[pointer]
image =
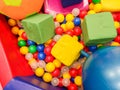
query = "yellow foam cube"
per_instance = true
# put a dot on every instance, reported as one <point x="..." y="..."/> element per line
<point x="67" y="50"/>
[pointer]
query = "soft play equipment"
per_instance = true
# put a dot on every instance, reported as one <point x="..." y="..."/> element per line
<point x="15" y="73"/>
<point x="19" y="9"/>
<point x="55" y="6"/>
<point x="111" y="5"/>
<point x="101" y="70"/>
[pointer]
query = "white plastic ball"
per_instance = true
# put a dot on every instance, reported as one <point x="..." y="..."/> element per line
<point x="75" y="12"/>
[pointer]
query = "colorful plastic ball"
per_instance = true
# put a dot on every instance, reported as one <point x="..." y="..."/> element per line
<point x="49" y="58"/>
<point x="32" y="48"/>
<point x="60" y="18"/>
<point x="64" y="69"/>
<point x="91" y="12"/>
<point x="55" y="81"/>
<point x="56" y="72"/>
<point x="82" y="14"/>
<point x="78" y="80"/>
<point x="41" y="55"/>
<point x="24" y="36"/>
<point x="41" y="64"/>
<point x="72" y="87"/>
<point x="12" y="22"/>
<point x="35" y="55"/>
<point x="64" y="27"/>
<point x="66" y="75"/>
<point x="59" y="30"/>
<point x="47" y="77"/>
<point x="57" y="63"/>
<point x="117" y="24"/>
<point x="92" y="48"/>
<point x="60" y="82"/>
<point x="34" y="65"/>
<point x="77" y="31"/>
<point x="96" y="1"/>
<point x="105" y="67"/>
<point x="52" y="43"/>
<point x="57" y="24"/>
<point x="20" y="32"/>
<point x="91" y="6"/>
<point x="30" y="42"/>
<point x="69" y="17"/>
<point x="15" y="30"/>
<point x="39" y="72"/>
<point x="47" y="50"/>
<point x="89" y="1"/>
<point x="77" y="21"/>
<point x="56" y="37"/>
<point x="40" y="47"/>
<point x="24" y="50"/>
<point x="66" y="82"/>
<point x="73" y="72"/>
<point x="50" y="67"/>
<point x="75" y="12"/>
<point x="69" y="25"/>
<point x="28" y="56"/>
<point x="70" y="32"/>
<point x="79" y="71"/>
<point x="19" y="9"/>
<point x="21" y="43"/>
<point x="117" y="39"/>
<point x="118" y="31"/>
<point x="97" y="8"/>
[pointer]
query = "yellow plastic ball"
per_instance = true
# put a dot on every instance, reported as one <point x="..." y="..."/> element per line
<point x="24" y="50"/>
<point x="15" y="30"/>
<point x="69" y="25"/>
<point x="50" y="67"/>
<point x="69" y="17"/>
<point x="57" y="63"/>
<point x="20" y="32"/>
<point x="59" y="17"/>
<point x="97" y="8"/>
<point x="78" y="80"/>
<point x="115" y="44"/>
<point x="66" y="75"/>
<point x="91" y="6"/>
<point x="39" y="72"/>
<point x="91" y="12"/>
<point x="117" y="24"/>
<point x="12" y="22"/>
<point x="64" y="27"/>
<point x="20" y="38"/>
<point x="47" y="77"/>
<point x="75" y="37"/>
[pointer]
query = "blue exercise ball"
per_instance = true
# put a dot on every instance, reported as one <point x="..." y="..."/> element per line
<point x="101" y="71"/>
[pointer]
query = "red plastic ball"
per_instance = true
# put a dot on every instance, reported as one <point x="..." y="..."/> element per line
<point x="59" y="30"/>
<point x="115" y="16"/>
<point x="24" y="36"/>
<point x="82" y="14"/>
<point x="49" y="58"/>
<point x="52" y="43"/>
<point x="35" y="55"/>
<point x="80" y="71"/>
<point x="72" y="87"/>
<point x="56" y="72"/>
<point x="70" y="32"/>
<point x="77" y="31"/>
<point x="73" y="72"/>
<point x="118" y="31"/>
<point x="117" y="39"/>
<point x="47" y="50"/>
<point x="60" y="82"/>
<point x="118" y="17"/>
<point x="89" y="1"/>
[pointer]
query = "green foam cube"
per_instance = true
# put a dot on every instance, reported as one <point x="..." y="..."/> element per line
<point x="98" y="28"/>
<point x="39" y="27"/>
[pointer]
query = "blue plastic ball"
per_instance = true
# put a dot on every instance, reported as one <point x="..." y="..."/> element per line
<point x="30" y="42"/>
<point x="41" y="55"/>
<point x="40" y="48"/>
<point x="101" y="71"/>
<point x="77" y="21"/>
<point x="92" y="48"/>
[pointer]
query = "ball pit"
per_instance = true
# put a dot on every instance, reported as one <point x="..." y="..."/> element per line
<point x="39" y="56"/>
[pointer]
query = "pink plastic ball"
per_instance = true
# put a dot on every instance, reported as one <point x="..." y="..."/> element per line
<point x="28" y="56"/>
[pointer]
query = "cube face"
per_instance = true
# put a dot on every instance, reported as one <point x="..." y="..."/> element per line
<point x="67" y="3"/>
<point x="98" y="28"/>
<point x="39" y="28"/>
<point x="66" y="50"/>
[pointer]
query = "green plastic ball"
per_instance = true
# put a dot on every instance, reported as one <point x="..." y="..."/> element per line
<point x="21" y="43"/>
<point x="32" y="49"/>
<point x="96" y="1"/>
